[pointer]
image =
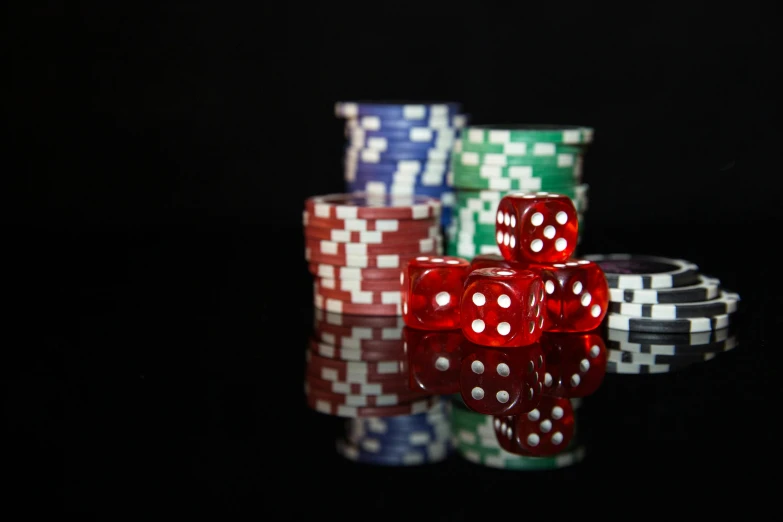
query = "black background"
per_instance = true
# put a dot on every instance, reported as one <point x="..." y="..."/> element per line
<point x="161" y="156"/>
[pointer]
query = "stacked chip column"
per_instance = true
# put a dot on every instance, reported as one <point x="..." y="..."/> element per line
<point x="401" y="148"/>
<point x="490" y="161"/>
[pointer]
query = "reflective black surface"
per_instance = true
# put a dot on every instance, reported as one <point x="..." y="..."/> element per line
<point x="165" y="364"/>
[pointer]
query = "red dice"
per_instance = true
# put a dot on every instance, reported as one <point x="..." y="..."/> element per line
<point x="501" y="382"/>
<point x="575" y="363"/>
<point x="431" y="291"/>
<point x="434" y="359"/>
<point x="544" y="431"/>
<point x="577" y="295"/>
<point x="536" y="228"/>
<point x="503" y="307"/>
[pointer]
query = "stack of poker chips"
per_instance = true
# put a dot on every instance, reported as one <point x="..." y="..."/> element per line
<point x="355" y="371"/>
<point x="475" y="440"/>
<point x="490" y="161"/>
<point x="401" y="148"/>
<point x="357" y="243"/>
<point x="664" y="314"/>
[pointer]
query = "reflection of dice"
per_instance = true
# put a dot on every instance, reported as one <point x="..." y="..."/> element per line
<point x="502" y="307"/>
<point x="434" y="359"/>
<point x="536" y="228"/>
<point x="494" y="381"/>
<point x="544" y="431"/>
<point x="575" y="363"/>
<point x="577" y="295"/>
<point x="431" y="291"/>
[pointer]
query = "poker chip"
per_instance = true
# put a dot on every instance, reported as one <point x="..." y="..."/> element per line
<point x="362" y="206"/>
<point x="414" y="226"/>
<point x="704" y="289"/>
<point x="630" y="271"/>
<point x="369" y="285"/>
<point x="371" y="237"/>
<point x="408" y="456"/>
<point x="340" y="272"/>
<point x="429" y="245"/>
<point x="685" y="325"/>
<point x="415" y="430"/>
<point x="337" y="409"/>
<point x="502" y="134"/>
<point x="725" y="303"/>
<point x="386" y="297"/>
<point x="399" y="149"/>
<point x="380" y="124"/>
<point x="397" y="110"/>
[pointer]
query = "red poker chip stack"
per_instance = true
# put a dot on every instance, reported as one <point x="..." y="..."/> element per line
<point x="356" y="245"/>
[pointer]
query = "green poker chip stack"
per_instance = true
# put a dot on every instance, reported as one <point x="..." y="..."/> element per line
<point x="475" y="441"/>
<point x="490" y="161"/>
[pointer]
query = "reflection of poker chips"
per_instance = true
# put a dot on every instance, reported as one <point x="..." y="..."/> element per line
<point x="639" y="271"/>
<point x="725" y="303"/>
<point x="643" y="369"/>
<point x="475" y="441"/>
<point x="358" y="321"/>
<point x="401" y="456"/>
<point x="686" y="325"/>
<point x="368" y="352"/>
<point x="400" y="149"/>
<point x="678" y="359"/>
<point x="385" y="387"/>
<point x="671" y="344"/>
<point x="353" y="371"/>
<point x="359" y="400"/>
<point x="704" y="289"/>
<point x="335" y="408"/>
<point x="341" y="307"/>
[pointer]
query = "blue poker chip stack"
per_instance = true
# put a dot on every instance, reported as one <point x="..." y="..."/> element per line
<point x="401" y="148"/>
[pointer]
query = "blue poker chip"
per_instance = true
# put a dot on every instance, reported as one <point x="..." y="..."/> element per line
<point x="382" y="139"/>
<point x="355" y="164"/>
<point x="426" y="179"/>
<point x="415" y="111"/>
<point x="399" y="147"/>
<point x="406" y="457"/>
<point x="398" y="154"/>
<point x="376" y="123"/>
<point x="378" y="187"/>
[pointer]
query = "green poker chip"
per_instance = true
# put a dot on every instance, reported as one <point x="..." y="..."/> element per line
<point x="566" y="162"/>
<point x="471" y="178"/>
<point x="533" y="133"/>
<point x="530" y="150"/>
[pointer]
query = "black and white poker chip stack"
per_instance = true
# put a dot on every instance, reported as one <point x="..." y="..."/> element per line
<point x="664" y="314"/>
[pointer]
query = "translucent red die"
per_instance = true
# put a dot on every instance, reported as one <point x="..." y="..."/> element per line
<point x="434" y="359"/>
<point x="577" y="295"/>
<point x="501" y="382"/>
<point x="431" y="291"/>
<point x="536" y="228"/>
<point x="575" y="363"/>
<point x="544" y="431"/>
<point x="503" y="307"/>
